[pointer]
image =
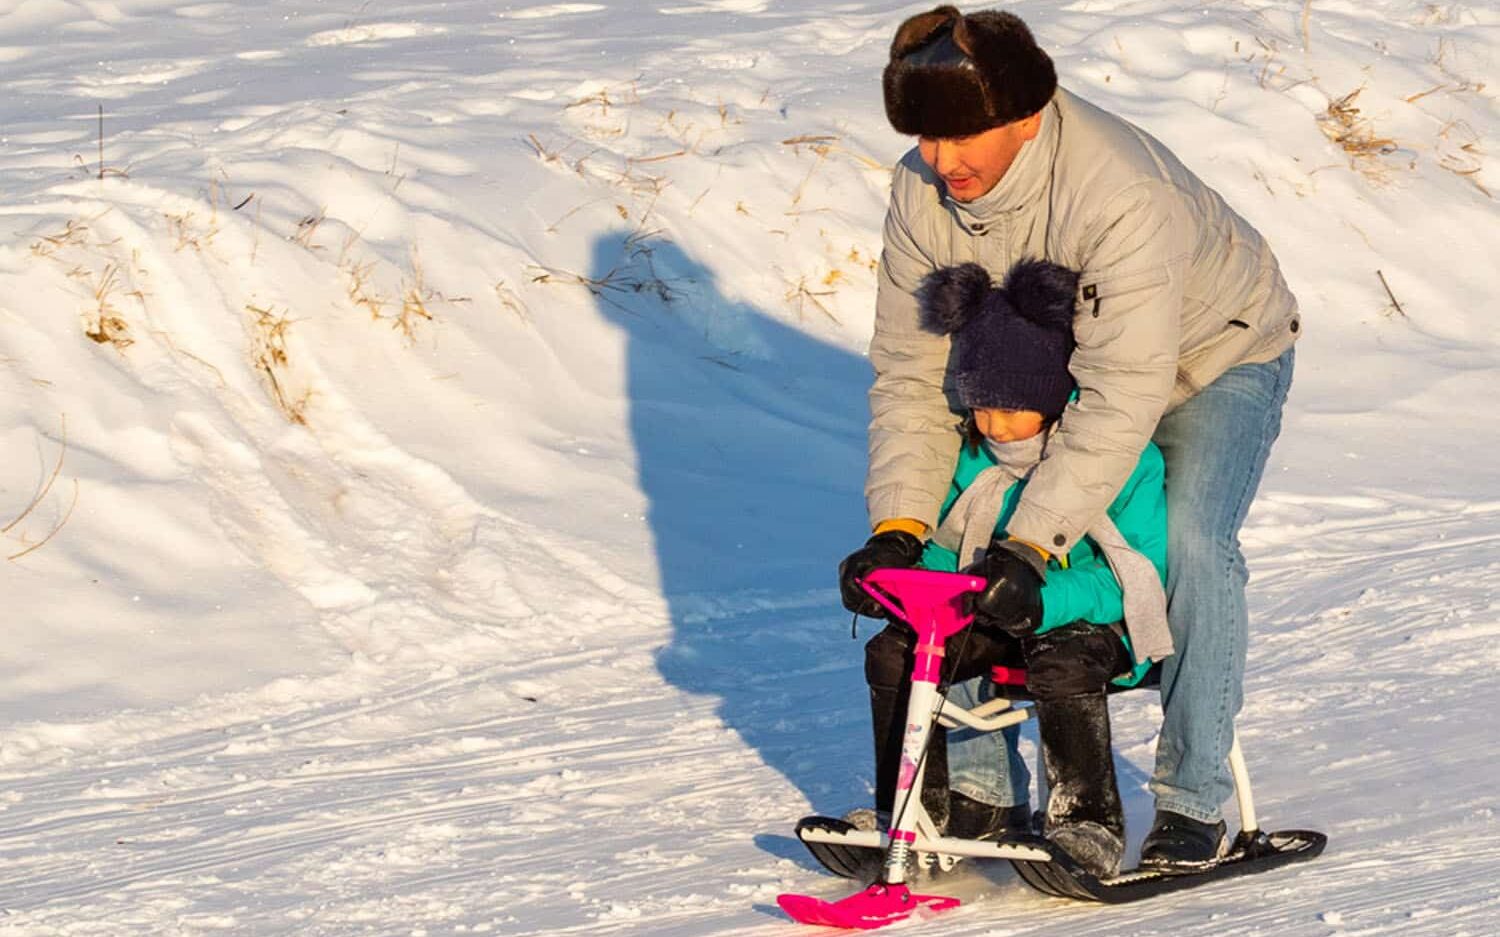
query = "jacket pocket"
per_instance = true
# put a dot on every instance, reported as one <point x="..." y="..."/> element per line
<point x="1093" y="321"/>
<point x="1204" y="325"/>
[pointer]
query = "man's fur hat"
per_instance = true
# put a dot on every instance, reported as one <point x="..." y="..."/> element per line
<point x="953" y="75"/>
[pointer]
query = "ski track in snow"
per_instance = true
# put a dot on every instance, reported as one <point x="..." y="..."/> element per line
<point x="482" y="646"/>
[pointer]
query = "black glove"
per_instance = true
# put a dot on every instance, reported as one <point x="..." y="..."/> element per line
<point x="1073" y="660"/>
<point x="1012" y="600"/>
<point x="894" y="548"/>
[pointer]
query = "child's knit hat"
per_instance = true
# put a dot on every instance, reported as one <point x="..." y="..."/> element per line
<point x="1011" y="344"/>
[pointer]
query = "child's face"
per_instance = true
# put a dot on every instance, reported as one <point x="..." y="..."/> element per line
<point x="1007" y="425"/>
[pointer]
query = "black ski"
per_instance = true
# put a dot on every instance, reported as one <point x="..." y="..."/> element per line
<point x="1063" y="878"/>
<point x="863" y="864"/>
<point x="1250" y="853"/>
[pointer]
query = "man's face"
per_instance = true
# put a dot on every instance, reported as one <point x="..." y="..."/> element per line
<point x="972" y="166"/>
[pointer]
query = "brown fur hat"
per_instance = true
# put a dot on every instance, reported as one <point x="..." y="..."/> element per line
<point x="953" y="75"/>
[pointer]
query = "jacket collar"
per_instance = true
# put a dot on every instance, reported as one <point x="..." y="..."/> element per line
<point x="1024" y="184"/>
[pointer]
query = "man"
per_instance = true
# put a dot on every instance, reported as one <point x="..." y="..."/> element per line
<point x="1184" y="330"/>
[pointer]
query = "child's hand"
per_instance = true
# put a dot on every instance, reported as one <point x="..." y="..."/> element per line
<point x="891" y="548"/>
<point x="1012" y="600"/>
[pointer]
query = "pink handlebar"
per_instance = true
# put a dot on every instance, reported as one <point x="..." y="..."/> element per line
<point x="927" y="600"/>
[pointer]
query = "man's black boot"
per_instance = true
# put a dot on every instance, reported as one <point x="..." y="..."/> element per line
<point x="1179" y="844"/>
<point x="974" y="819"/>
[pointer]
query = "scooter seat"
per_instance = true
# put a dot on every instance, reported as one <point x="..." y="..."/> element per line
<point x="1010" y="682"/>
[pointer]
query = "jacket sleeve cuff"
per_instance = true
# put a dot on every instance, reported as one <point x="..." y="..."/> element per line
<point x="906" y="524"/>
<point x="1052" y="532"/>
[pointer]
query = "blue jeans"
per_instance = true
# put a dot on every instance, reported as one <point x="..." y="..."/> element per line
<point x="985" y="766"/>
<point x="1216" y="446"/>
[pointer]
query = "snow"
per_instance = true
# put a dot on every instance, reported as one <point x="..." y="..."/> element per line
<point x="477" y="417"/>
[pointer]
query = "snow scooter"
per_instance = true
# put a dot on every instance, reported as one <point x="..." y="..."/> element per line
<point x="932" y="603"/>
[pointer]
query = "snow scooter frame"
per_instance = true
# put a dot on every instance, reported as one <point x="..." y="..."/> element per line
<point x="931" y="602"/>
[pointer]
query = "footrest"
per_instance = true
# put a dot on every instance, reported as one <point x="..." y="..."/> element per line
<point x="859" y="863"/>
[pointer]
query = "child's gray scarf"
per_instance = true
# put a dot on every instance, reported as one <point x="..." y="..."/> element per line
<point x="971" y="523"/>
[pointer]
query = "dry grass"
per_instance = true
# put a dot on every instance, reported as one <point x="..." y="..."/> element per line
<point x="642" y="187"/>
<point x="635" y="273"/>
<point x="307" y="230"/>
<point x="255" y="240"/>
<point x="511" y="301"/>
<point x="1435" y="14"/>
<point x="693" y="206"/>
<point x="415" y="295"/>
<point x="596" y="119"/>
<point x="104" y="171"/>
<point x="1456" y="83"/>
<point x="858" y="258"/>
<point x="188" y="233"/>
<point x="410" y="304"/>
<point x="638" y="184"/>
<point x="77" y="249"/>
<point x="632" y="161"/>
<point x="1343" y="124"/>
<point x="1273" y="74"/>
<point x="1395" y="303"/>
<point x="544" y="154"/>
<point x="105" y="324"/>
<point x="268" y="352"/>
<point x="800" y="295"/>
<point x="552" y="228"/>
<point x="358" y="286"/>
<point x="1465" y="159"/>
<point x="682" y="132"/>
<point x="41" y="496"/>
<point x="823" y="146"/>
<point x="822" y="154"/>
<point x="626" y="94"/>
<point x="560" y="157"/>
<point x="74" y="233"/>
<point x="1440" y="59"/>
<point x="1457" y="87"/>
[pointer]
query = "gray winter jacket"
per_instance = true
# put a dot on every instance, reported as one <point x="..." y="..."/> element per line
<point x="1175" y="289"/>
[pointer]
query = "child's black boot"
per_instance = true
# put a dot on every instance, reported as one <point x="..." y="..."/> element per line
<point x="1084" y="815"/>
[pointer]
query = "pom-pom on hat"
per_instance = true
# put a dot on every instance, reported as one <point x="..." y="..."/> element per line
<point x="952" y="75"/>
<point x="1011" y="344"/>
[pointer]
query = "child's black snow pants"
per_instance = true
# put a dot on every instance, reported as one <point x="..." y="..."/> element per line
<point x="1067" y="669"/>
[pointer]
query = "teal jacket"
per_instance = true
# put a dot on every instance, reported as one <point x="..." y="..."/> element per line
<point x="1081" y="586"/>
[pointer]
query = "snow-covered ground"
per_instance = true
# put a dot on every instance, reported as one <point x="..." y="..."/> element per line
<point x="447" y="417"/>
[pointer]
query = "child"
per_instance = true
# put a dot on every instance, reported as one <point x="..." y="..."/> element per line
<point x="1060" y="620"/>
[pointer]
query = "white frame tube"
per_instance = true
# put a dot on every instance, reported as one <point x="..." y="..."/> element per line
<point x="908" y="801"/>
<point x="970" y="848"/>
<point x="979" y="717"/>
<point x="1242" y="793"/>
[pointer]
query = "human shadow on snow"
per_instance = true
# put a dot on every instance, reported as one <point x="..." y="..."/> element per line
<point x="749" y="436"/>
